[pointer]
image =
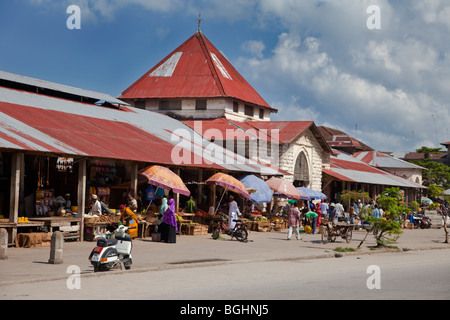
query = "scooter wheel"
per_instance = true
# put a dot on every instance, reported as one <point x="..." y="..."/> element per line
<point x="216" y="234"/>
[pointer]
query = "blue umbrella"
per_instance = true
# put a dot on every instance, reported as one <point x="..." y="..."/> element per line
<point x="313" y="194"/>
<point x="263" y="192"/>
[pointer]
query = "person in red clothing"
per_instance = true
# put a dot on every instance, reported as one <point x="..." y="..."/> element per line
<point x="319" y="213"/>
<point x="294" y="220"/>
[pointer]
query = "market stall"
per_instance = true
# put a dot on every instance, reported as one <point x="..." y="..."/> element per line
<point x="23" y="225"/>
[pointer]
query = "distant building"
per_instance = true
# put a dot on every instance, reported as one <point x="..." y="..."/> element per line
<point x="196" y="81"/>
<point x="447" y="157"/>
<point x="295" y="147"/>
<point x="340" y="140"/>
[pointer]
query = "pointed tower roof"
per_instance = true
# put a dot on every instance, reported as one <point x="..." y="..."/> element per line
<point x="196" y="69"/>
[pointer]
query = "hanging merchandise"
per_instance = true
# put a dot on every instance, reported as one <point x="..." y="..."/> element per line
<point x="64" y="164"/>
<point x="150" y="192"/>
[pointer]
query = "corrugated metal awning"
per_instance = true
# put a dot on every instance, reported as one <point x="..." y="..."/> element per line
<point x="34" y="122"/>
<point x="347" y="168"/>
<point x="11" y="77"/>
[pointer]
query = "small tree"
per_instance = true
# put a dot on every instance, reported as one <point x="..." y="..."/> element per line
<point x="427" y="152"/>
<point x="434" y="191"/>
<point x="445" y="215"/>
<point x="389" y="225"/>
<point x="348" y="196"/>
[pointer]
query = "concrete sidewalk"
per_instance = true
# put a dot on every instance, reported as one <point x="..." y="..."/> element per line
<point x="31" y="264"/>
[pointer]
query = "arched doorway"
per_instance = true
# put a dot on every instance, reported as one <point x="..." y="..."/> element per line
<point x="301" y="171"/>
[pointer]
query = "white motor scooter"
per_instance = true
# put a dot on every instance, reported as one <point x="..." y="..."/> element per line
<point x="110" y="252"/>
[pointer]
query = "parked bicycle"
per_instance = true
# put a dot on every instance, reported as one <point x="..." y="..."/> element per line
<point x="239" y="231"/>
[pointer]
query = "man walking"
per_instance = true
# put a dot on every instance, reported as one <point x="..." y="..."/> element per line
<point x="294" y="220"/>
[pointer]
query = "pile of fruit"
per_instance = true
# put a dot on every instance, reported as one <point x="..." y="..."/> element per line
<point x="261" y="219"/>
<point x="22" y="220"/>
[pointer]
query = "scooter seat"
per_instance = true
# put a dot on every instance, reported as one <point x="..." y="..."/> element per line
<point x="106" y="242"/>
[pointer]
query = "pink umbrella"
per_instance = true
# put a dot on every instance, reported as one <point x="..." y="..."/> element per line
<point x="229" y="183"/>
<point x="284" y="189"/>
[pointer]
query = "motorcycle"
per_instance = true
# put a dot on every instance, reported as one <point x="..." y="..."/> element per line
<point x="111" y="252"/>
<point x="425" y="223"/>
<point x="422" y="222"/>
<point x="239" y="231"/>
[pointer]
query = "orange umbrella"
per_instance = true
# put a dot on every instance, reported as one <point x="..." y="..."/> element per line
<point x="283" y="188"/>
<point x="229" y="183"/>
<point x="165" y="178"/>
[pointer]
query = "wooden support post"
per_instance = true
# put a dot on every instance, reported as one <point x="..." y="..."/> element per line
<point x="81" y="194"/>
<point x="200" y="187"/>
<point x="16" y="166"/>
<point x="134" y="179"/>
<point x="177" y="195"/>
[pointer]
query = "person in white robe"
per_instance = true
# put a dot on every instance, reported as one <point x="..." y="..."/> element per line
<point x="233" y="213"/>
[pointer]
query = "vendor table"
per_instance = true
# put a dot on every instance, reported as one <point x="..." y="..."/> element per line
<point x="12" y="227"/>
<point x="69" y="226"/>
<point x="187" y="217"/>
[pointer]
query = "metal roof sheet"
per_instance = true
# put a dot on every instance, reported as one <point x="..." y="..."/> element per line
<point x="382" y="160"/>
<point x="35" y="122"/>
<point x="287" y="131"/>
<point x="196" y="69"/>
<point x="59" y="87"/>
<point x="347" y="168"/>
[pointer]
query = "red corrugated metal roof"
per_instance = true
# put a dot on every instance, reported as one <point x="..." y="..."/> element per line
<point x="337" y="175"/>
<point x="196" y="69"/>
<point x="287" y="130"/>
<point x="35" y="122"/>
<point x="233" y="129"/>
<point x="87" y="136"/>
<point x="278" y="131"/>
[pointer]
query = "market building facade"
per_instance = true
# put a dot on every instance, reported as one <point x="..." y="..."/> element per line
<point x="197" y="84"/>
<point x="57" y="140"/>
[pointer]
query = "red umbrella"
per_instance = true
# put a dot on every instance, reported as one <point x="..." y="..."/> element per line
<point x="283" y="188"/>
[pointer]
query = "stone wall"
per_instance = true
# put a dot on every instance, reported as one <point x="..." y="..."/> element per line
<point x="317" y="159"/>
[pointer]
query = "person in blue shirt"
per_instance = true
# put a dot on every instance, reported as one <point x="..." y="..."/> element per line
<point x="332" y="212"/>
<point x="376" y="212"/>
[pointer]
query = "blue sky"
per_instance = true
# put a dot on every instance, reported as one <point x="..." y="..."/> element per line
<point x="312" y="60"/>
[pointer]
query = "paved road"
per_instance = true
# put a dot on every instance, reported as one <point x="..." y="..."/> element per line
<point x="412" y="275"/>
<point x="268" y="267"/>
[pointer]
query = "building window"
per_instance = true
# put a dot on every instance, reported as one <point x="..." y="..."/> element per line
<point x="170" y="105"/>
<point x="200" y="104"/>
<point x="261" y="113"/>
<point x="235" y="106"/>
<point x="139" y="104"/>
<point x="248" y="111"/>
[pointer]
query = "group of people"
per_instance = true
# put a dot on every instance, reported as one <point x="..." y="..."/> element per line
<point x="312" y="214"/>
<point x="302" y="212"/>
<point x="167" y="218"/>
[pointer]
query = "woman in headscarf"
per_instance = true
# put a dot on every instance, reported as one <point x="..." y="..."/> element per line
<point x="162" y="209"/>
<point x="169" y="226"/>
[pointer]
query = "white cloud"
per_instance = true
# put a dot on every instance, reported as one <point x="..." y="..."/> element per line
<point x="93" y="10"/>
<point x="387" y="82"/>
<point x="254" y="47"/>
